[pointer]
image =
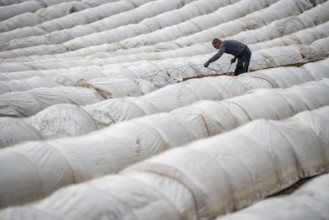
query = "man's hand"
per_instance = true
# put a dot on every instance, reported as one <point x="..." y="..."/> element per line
<point x="233" y="60"/>
<point x="206" y="64"/>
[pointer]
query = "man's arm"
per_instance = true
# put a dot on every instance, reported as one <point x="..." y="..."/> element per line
<point x="216" y="56"/>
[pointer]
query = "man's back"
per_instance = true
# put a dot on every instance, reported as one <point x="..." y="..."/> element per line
<point x="232" y="47"/>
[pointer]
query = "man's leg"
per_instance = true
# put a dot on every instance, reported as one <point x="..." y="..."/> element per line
<point x="246" y="62"/>
<point x="239" y="67"/>
<point x="243" y="63"/>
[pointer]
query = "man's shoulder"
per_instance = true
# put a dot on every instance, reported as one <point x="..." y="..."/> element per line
<point x="232" y="42"/>
<point x="225" y="42"/>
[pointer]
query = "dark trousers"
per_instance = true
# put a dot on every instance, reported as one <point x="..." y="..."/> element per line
<point x="243" y="62"/>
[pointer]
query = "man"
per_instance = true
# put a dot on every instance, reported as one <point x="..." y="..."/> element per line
<point x="235" y="48"/>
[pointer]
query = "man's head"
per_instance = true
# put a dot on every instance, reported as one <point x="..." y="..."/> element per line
<point x="216" y="43"/>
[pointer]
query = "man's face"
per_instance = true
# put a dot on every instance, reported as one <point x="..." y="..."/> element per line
<point x="216" y="45"/>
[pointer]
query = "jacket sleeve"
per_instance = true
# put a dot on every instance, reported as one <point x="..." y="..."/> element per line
<point x="217" y="55"/>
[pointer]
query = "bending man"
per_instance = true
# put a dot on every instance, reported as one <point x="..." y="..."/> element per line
<point x="239" y="50"/>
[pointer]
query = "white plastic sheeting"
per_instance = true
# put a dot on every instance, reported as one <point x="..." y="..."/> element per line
<point x="167" y="71"/>
<point x="26" y="84"/>
<point x="74" y="16"/>
<point x="309" y="202"/>
<point x="317" y="50"/>
<point x="155" y="73"/>
<point x="191" y="10"/>
<point x="128" y="142"/>
<point x="63" y="76"/>
<point x="27" y="103"/>
<point x="61" y="9"/>
<point x="284" y="77"/>
<point x="54" y="10"/>
<point x="117" y="84"/>
<point x="291" y="26"/>
<point x="193" y="24"/>
<point x="19" y="21"/>
<point x="101" y="11"/>
<point x="319" y="70"/>
<point x="206" y="32"/>
<point x="263" y="17"/>
<point x="264" y="58"/>
<point x="12" y="10"/>
<point x="289" y="55"/>
<point x="166" y="34"/>
<point x="11" y="125"/>
<point x="282" y="27"/>
<point x="45" y="2"/>
<point x="185" y="28"/>
<point x="277" y="56"/>
<point x="163" y="100"/>
<point x="120" y="87"/>
<point x="146" y="10"/>
<point x="64" y="120"/>
<point x="241" y="167"/>
<point x="305" y="36"/>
